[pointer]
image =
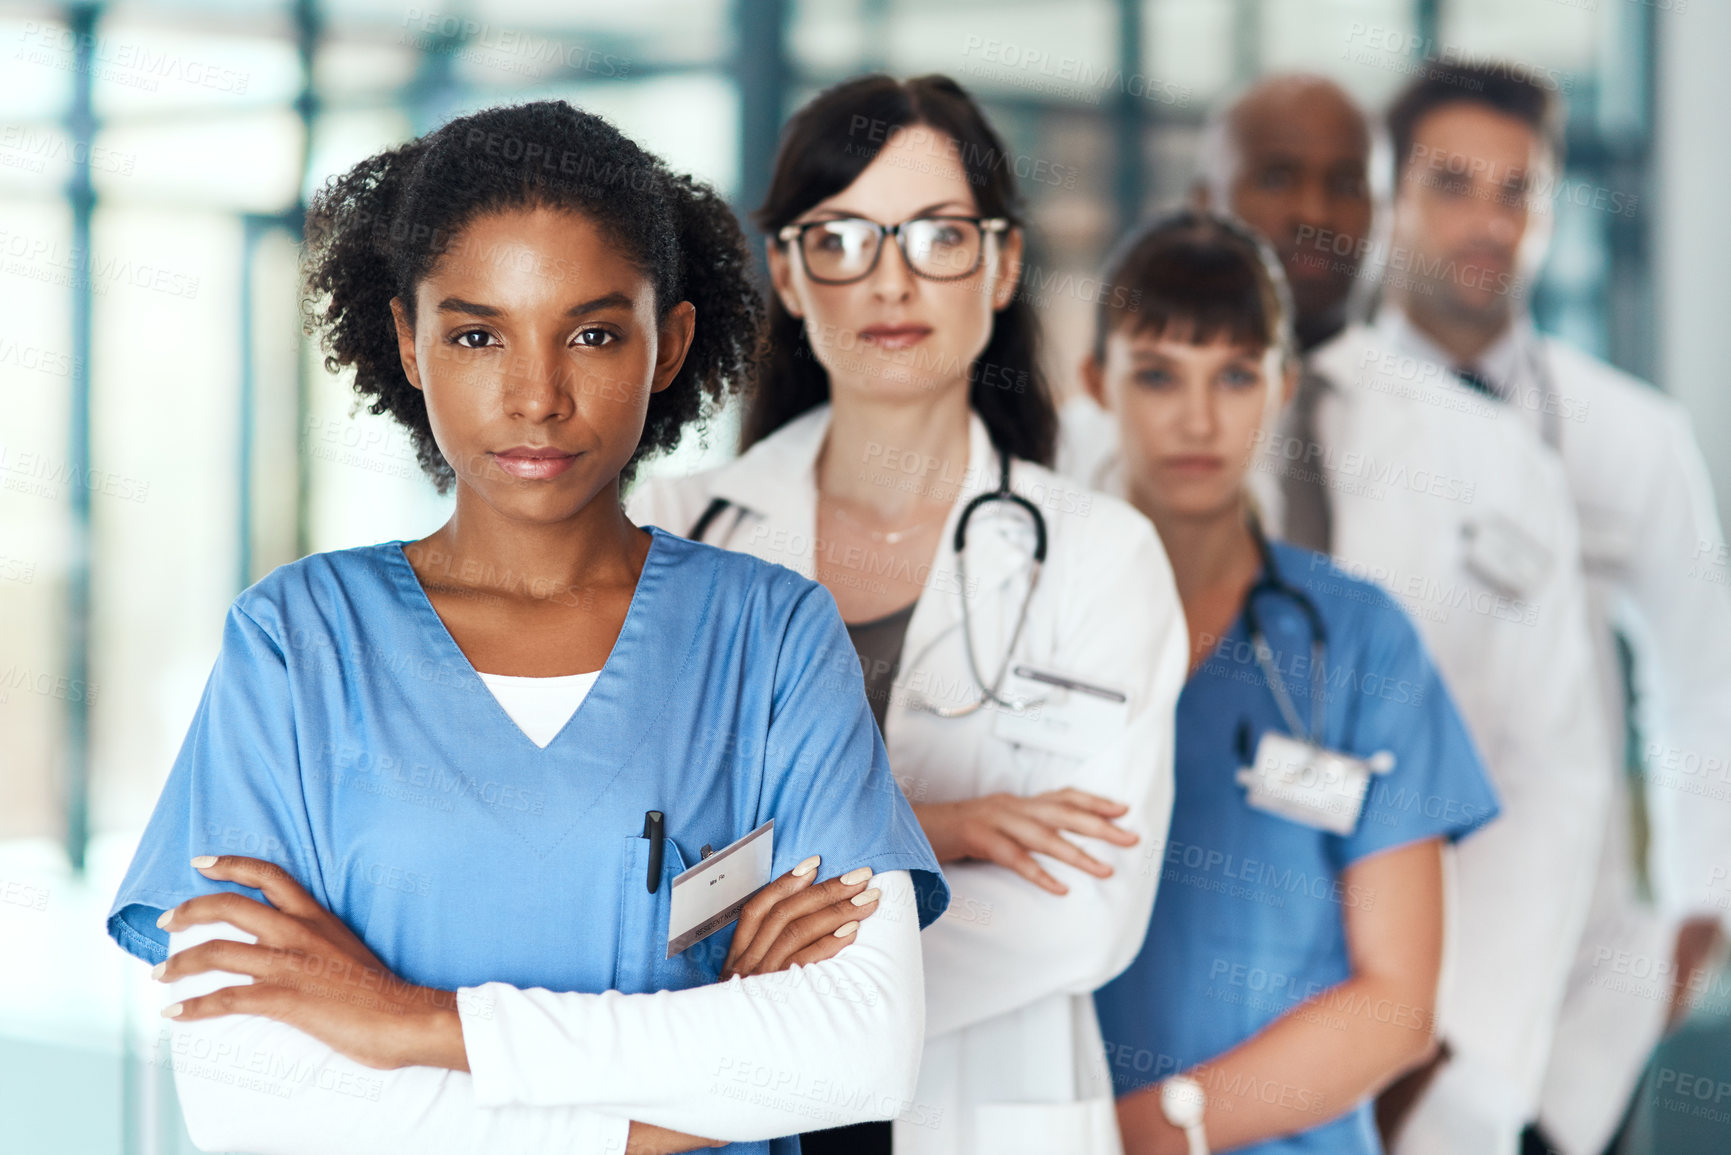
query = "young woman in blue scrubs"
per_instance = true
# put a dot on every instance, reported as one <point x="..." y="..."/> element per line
<point x="1291" y="965"/>
<point x="468" y="922"/>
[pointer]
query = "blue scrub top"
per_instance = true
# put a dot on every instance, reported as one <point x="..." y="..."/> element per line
<point x="1249" y="922"/>
<point x="344" y="735"/>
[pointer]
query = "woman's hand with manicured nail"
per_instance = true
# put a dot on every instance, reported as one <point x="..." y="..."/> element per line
<point x="794" y="922"/>
<point x="308" y="970"/>
<point x="1010" y="829"/>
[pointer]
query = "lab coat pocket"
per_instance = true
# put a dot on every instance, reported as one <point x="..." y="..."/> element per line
<point x="1060" y="714"/>
<point x="1082" y="1127"/>
<point x="641" y="963"/>
<point x="1505" y="555"/>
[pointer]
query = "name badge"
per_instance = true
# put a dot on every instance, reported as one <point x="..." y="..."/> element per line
<point x="1309" y="784"/>
<point x="710" y="895"/>
<point x="1504" y="555"/>
<point x="1060" y="713"/>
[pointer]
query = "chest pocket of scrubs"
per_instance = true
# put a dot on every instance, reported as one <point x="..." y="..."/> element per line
<point x="641" y="963"/>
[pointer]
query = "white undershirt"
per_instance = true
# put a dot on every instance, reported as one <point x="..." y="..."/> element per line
<point x="540" y="706"/>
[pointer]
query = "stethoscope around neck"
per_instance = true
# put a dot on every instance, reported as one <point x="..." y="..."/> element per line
<point x="990" y="692"/>
<point x="1271" y="583"/>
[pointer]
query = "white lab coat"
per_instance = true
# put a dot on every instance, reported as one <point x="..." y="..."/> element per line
<point x="1014" y="1059"/>
<point x="1653" y="554"/>
<point x="1411" y="467"/>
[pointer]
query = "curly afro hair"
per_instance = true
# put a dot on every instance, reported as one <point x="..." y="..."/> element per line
<point x="375" y="231"/>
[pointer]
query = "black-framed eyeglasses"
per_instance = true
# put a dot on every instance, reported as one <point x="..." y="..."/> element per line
<point x="843" y="250"/>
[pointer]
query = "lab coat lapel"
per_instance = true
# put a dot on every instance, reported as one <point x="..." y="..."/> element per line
<point x="776" y="479"/>
<point x="1366" y="417"/>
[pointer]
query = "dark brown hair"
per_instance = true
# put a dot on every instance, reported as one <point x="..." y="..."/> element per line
<point x="824" y="148"/>
<point x="1504" y="88"/>
<point x="1197" y="276"/>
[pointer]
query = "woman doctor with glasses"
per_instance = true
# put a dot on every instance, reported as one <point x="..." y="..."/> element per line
<point x="1021" y="636"/>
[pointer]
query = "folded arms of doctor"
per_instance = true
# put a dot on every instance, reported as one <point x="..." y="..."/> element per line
<point x="767" y="1055"/>
<point x="250" y="1083"/>
<point x="569" y="1071"/>
<point x="1006" y="941"/>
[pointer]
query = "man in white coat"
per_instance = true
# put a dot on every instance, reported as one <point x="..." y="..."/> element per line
<point x="1421" y="485"/>
<point x="1477" y="154"/>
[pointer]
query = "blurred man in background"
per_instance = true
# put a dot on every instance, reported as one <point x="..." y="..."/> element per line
<point x="1477" y="153"/>
<point x="1485" y="562"/>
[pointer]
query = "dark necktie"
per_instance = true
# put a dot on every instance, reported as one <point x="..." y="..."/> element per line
<point x="1308" y="519"/>
<point x="1476" y="380"/>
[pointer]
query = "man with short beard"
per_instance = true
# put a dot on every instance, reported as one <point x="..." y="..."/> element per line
<point x="1477" y="156"/>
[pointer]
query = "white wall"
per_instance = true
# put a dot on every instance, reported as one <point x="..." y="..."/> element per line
<point x="1693" y="229"/>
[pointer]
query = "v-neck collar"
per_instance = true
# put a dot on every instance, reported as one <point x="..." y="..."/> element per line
<point x="439" y="637"/>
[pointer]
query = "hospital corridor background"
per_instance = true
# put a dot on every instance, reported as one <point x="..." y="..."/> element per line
<point x="169" y="433"/>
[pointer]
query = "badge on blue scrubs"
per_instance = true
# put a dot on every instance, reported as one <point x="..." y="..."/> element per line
<point x="1307" y="783"/>
<point x="711" y="894"/>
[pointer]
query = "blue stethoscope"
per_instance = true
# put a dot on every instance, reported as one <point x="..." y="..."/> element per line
<point x="1272" y="584"/>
